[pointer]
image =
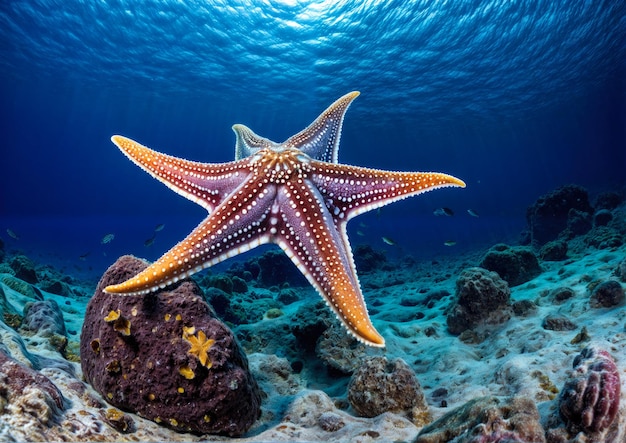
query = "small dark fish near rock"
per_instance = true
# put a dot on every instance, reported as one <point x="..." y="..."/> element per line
<point x="149" y="242"/>
<point x="443" y="211"/>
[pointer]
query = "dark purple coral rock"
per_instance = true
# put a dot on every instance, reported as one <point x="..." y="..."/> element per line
<point x="165" y="357"/>
<point x="589" y="400"/>
<point x="549" y="215"/>
<point x="516" y="265"/>
<point x="482" y="298"/>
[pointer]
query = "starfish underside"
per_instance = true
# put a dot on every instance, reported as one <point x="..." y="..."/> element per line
<point x="294" y="194"/>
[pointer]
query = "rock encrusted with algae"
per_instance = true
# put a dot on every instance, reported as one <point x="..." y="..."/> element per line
<point x="27" y="392"/>
<point x="165" y="357"/>
<point x="487" y="419"/>
<point x="380" y="385"/>
<point x="514" y="264"/>
<point x="482" y="298"/>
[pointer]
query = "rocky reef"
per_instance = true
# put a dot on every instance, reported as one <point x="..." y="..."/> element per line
<point x="510" y="343"/>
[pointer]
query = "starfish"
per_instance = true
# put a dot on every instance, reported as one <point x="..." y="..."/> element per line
<point x="200" y="346"/>
<point x="294" y="194"/>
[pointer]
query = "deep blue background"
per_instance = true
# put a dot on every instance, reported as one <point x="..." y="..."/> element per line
<point x="516" y="98"/>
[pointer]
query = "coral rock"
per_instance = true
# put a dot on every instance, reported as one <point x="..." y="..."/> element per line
<point x="589" y="400"/>
<point x="482" y="298"/>
<point x="44" y="318"/>
<point x="608" y="200"/>
<point x="164" y="356"/>
<point x="24" y="269"/>
<point x="367" y="259"/>
<point x="548" y="216"/>
<point x="276" y="269"/>
<point x="602" y="217"/>
<point x="554" y="251"/>
<point x="558" y="323"/>
<point x="604" y="237"/>
<point x="607" y="294"/>
<point x="487" y="419"/>
<point x="339" y="350"/>
<point x="29" y="391"/>
<point x="380" y="385"/>
<point x="559" y="295"/>
<point x="516" y="265"/>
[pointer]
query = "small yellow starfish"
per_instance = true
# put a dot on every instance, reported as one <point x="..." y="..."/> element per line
<point x="200" y="346"/>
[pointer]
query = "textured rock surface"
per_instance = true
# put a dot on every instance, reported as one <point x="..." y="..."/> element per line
<point x="607" y="294"/>
<point x="590" y="399"/>
<point x="380" y="385"/>
<point x="487" y="419"/>
<point x="554" y="251"/>
<point x="24" y="269"/>
<point x="482" y="297"/>
<point x="275" y="268"/>
<point x="339" y="350"/>
<point x="548" y="216"/>
<point x="44" y="318"/>
<point x="516" y="265"/>
<point x="164" y="356"/>
<point x="27" y="391"/>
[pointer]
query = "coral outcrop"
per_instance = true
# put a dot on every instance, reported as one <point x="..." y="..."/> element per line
<point x="380" y="385"/>
<point x="338" y="350"/>
<point x="554" y="251"/>
<point x="27" y="391"/>
<point x="275" y="269"/>
<point x="482" y="297"/>
<point x="607" y="294"/>
<point x="550" y="214"/>
<point x="589" y="400"/>
<point x="516" y="265"/>
<point x="487" y="420"/>
<point x="165" y="357"/>
<point x="24" y="269"/>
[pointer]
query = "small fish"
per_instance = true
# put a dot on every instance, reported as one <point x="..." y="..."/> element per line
<point x="149" y="241"/>
<point x="449" y="243"/>
<point x="159" y="227"/>
<point x="107" y="238"/>
<point x="12" y="234"/>
<point x="443" y="211"/>
<point x="363" y="225"/>
<point x="84" y="256"/>
<point x="388" y="241"/>
<point x="361" y="233"/>
<point x="472" y="213"/>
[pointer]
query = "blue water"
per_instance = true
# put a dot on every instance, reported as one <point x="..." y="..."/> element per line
<point x="516" y="98"/>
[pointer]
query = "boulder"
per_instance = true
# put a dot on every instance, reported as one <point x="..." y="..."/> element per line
<point x="165" y="357"/>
